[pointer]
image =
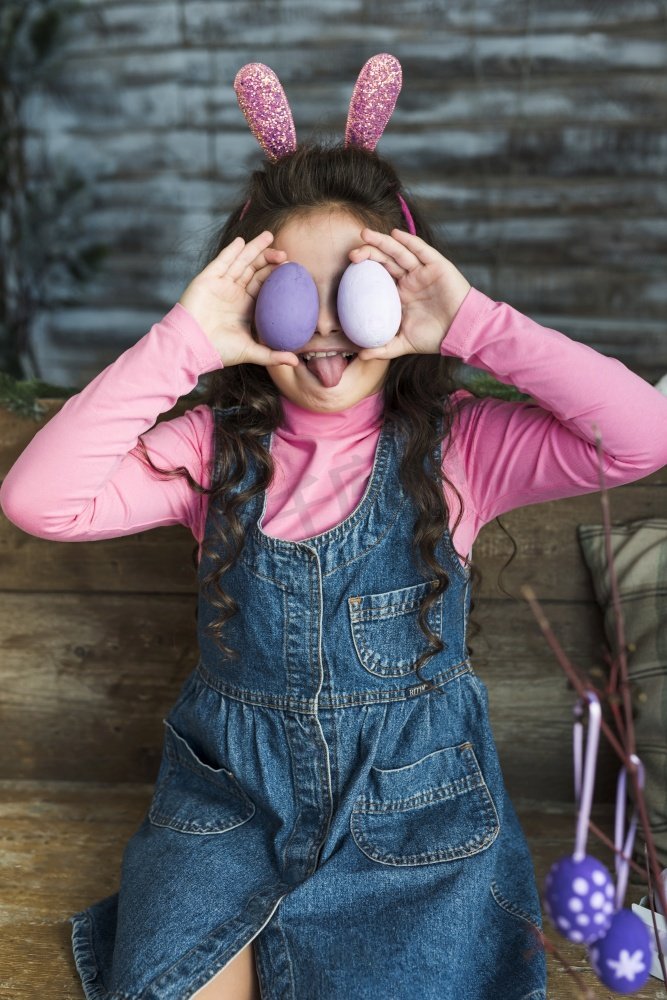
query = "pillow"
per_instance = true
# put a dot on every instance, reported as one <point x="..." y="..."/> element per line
<point x="639" y="553"/>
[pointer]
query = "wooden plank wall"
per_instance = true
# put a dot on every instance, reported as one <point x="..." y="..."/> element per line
<point x="533" y="131"/>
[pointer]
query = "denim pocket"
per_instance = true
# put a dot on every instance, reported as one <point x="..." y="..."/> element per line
<point x="515" y="909"/>
<point x="514" y="887"/>
<point x="192" y="796"/>
<point x="386" y="632"/>
<point x="437" y="809"/>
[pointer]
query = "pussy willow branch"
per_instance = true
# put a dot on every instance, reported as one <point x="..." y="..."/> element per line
<point x="584" y="990"/>
<point x="582" y="685"/>
<point x="629" y="741"/>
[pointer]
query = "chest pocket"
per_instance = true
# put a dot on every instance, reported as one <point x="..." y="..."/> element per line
<point x="191" y="796"/>
<point x="437" y="809"/>
<point x="385" y="628"/>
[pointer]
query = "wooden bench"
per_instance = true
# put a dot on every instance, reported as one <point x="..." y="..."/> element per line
<point x="97" y="639"/>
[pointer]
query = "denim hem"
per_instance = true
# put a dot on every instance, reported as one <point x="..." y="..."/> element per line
<point x="84" y="957"/>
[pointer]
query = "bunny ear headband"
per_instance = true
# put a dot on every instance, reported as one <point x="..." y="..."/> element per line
<point x="266" y="108"/>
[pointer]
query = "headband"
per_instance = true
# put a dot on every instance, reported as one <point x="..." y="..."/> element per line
<point x="264" y="103"/>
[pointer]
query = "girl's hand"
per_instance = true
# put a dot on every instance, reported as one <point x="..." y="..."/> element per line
<point x="222" y="300"/>
<point x="430" y="287"/>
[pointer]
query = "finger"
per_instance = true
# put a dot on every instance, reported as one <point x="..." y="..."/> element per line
<point x="395" y="348"/>
<point x="373" y="253"/>
<point x="254" y="279"/>
<point x="388" y="245"/>
<point x="422" y="250"/>
<point x="248" y="254"/>
<point x="266" y="356"/>
<point x="245" y="255"/>
<point x="227" y="254"/>
<point x="262" y="267"/>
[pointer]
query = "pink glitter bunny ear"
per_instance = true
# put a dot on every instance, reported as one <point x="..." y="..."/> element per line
<point x="265" y="106"/>
<point x="373" y="100"/>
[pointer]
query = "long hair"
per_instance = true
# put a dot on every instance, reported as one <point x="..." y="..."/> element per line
<point x="416" y="390"/>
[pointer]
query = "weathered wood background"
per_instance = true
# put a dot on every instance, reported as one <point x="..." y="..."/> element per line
<point x="533" y="131"/>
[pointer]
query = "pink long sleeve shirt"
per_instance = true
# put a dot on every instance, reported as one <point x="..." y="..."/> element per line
<point x="80" y="478"/>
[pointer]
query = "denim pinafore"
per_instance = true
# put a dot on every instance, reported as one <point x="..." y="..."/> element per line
<point x="315" y="798"/>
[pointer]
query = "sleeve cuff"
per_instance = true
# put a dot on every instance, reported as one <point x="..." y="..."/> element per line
<point x="475" y="305"/>
<point x="200" y="345"/>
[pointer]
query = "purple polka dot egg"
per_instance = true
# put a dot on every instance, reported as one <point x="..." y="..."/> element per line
<point x="622" y="958"/>
<point x="579" y="898"/>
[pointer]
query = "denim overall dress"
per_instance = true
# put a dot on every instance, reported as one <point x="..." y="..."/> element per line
<point x="315" y="798"/>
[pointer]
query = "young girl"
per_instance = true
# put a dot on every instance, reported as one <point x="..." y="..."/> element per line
<point x="329" y="819"/>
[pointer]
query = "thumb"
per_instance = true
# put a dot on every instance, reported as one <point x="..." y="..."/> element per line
<point x="383" y="353"/>
<point x="269" y="357"/>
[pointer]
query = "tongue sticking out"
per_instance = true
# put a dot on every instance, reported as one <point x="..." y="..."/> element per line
<point x="328" y="370"/>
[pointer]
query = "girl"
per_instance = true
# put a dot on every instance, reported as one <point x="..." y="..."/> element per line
<point x="329" y="818"/>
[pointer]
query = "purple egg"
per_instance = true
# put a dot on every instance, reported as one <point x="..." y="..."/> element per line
<point x="287" y="308"/>
<point x="622" y="958"/>
<point x="579" y="898"/>
<point x="369" y="306"/>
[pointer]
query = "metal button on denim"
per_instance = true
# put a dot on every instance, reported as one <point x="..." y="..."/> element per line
<point x="314" y="796"/>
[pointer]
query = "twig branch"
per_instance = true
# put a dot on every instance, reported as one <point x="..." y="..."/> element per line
<point x="616" y="693"/>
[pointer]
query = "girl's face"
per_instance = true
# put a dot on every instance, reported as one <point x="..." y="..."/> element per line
<point x="321" y="242"/>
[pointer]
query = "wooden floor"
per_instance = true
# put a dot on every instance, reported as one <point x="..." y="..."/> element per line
<point x="60" y="850"/>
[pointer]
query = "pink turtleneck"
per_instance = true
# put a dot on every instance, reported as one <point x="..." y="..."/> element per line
<point x="79" y="478"/>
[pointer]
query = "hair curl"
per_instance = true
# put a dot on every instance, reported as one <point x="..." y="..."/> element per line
<point x="416" y="390"/>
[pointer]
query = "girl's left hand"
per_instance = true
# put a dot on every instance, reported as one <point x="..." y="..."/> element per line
<point x="430" y="287"/>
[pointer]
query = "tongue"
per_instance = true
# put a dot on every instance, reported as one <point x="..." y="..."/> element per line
<point x="328" y="370"/>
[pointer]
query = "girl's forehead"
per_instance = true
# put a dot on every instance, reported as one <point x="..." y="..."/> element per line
<point x="334" y="223"/>
<point x="320" y="237"/>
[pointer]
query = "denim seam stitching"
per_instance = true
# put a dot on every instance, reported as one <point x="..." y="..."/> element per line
<point x="348" y="700"/>
<point x="427" y="857"/>
<point x="506" y="904"/>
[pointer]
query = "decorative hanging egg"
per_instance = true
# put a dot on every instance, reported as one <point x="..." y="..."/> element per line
<point x="369" y="306"/>
<point x="287" y="308"/>
<point x="579" y="898"/>
<point x="621" y="959"/>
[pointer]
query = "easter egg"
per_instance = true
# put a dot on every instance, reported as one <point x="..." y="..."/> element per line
<point x="287" y="308"/>
<point x="622" y="958"/>
<point x="369" y="306"/>
<point x="579" y="898"/>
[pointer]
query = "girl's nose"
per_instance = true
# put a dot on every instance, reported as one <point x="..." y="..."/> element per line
<point x="327" y="318"/>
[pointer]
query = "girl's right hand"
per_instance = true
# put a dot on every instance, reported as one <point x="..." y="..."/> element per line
<point x="222" y="300"/>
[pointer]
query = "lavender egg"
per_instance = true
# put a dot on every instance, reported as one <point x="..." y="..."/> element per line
<point x="369" y="306"/>
<point x="287" y="308"/>
<point x="622" y="958"/>
<point x="579" y="898"/>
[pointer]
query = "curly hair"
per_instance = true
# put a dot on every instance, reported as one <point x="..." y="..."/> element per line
<point x="416" y="390"/>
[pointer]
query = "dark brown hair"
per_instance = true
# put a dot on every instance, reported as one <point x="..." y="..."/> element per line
<point x="416" y="390"/>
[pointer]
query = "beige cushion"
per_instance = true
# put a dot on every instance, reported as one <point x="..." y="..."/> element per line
<point x="639" y="553"/>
